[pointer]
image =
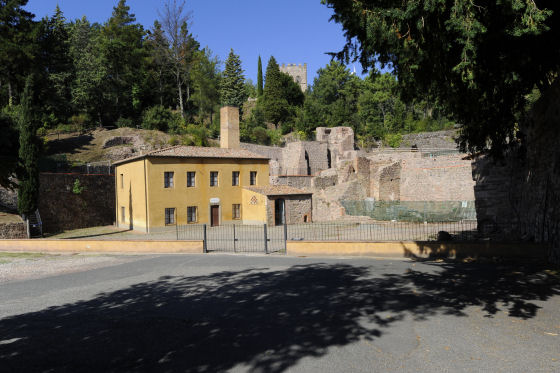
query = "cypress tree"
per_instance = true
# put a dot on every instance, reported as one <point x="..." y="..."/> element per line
<point x="232" y="87"/>
<point x="28" y="189"/>
<point x="259" y="79"/>
<point x="274" y="103"/>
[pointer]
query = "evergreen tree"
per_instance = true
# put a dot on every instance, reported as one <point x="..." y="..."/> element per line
<point x="54" y="49"/>
<point x="206" y="84"/>
<point x="158" y="61"/>
<point x="16" y="47"/>
<point x="28" y="190"/>
<point x="87" y="89"/>
<point x="259" y="79"/>
<point x="232" y="87"/>
<point x="280" y="95"/>
<point x="121" y="45"/>
<point x="8" y="150"/>
<point x="480" y="62"/>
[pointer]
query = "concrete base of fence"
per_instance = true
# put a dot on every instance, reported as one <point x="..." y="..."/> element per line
<point x="156" y="247"/>
<point x="451" y="250"/>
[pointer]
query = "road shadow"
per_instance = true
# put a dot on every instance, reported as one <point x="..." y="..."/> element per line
<point x="265" y="320"/>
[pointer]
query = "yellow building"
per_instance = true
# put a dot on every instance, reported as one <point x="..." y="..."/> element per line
<point x="203" y="185"/>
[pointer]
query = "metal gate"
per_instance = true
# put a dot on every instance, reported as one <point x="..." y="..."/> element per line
<point x="238" y="238"/>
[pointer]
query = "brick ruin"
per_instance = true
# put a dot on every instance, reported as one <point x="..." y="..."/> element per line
<point x="334" y="171"/>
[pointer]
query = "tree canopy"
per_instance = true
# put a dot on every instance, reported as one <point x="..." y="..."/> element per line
<point x="478" y="60"/>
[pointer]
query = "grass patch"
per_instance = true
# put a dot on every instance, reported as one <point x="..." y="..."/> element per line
<point x="10" y="257"/>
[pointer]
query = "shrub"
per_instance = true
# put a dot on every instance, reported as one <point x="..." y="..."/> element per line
<point x="173" y="140"/>
<point x="124" y="122"/>
<point x="393" y="140"/>
<point x="162" y="119"/>
<point x="261" y="136"/>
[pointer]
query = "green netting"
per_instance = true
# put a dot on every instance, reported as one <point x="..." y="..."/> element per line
<point x="413" y="211"/>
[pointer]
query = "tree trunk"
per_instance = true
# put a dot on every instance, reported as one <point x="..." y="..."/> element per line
<point x="10" y="98"/>
<point x="181" y="99"/>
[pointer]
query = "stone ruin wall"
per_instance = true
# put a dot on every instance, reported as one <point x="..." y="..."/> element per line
<point x="521" y="193"/>
<point x="356" y="175"/>
<point x="10" y="231"/>
<point x="63" y="209"/>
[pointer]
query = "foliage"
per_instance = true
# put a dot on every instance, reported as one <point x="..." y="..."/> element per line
<point x="120" y="44"/>
<point x="158" y="118"/>
<point x="28" y="189"/>
<point x="195" y="135"/>
<point x="393" y="140"/>
<point x="333" y="101"/>
<point x="17" y="47"/>
<point x="479" y="61"/>
<point x="232" y="85"/>
<point x="124" y="122"/>
<point x="259" y="78"/>
<point x="8" y="150"/>
<point x="281" y="95"/>
<point x="78" y="188"/>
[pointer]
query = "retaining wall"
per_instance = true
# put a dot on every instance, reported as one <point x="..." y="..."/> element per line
<point x="159" y="247"/>
<point x="64" y="207"/>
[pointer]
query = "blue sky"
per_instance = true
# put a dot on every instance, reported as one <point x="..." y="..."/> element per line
<point x="293" y="31"/>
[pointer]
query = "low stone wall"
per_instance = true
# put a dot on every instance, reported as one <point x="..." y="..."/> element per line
<point x="64" y="207"/>
<point x="13" y="231"/>
<point x="159" y="247"/>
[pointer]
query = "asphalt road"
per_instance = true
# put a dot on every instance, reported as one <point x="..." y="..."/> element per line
<point x="212" y="313"/>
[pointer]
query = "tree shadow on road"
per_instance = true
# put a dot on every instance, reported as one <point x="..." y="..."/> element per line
<point x="265" y="320"/>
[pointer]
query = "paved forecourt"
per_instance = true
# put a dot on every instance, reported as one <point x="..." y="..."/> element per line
<point x="272" y="313"/>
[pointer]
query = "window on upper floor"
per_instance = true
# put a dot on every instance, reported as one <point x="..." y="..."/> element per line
<point x="168" y="179"/>
<point x="191" y="179"/>
<point x="235" y="178"/>
<point x="213" y="178"/>
<point x="253" y="178"/>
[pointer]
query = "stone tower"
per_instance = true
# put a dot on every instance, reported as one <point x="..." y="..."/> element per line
<point x="298" y="72"/>
<point x="229" y="127"/>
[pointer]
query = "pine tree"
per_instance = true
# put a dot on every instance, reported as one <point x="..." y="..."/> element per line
<point x="232" y="87"/>
<point x="259" y="79"/>
<point x="121" y="46"/>
<point x="57" y="68"/>
<point x="28" y="190"/>
<point x="16" y="47"/>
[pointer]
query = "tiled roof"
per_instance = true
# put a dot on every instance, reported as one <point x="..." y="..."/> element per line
<point x="182" y="151"/>
<point x="276" y="190"/>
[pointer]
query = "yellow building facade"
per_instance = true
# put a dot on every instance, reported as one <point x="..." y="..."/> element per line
<point x="189" y="185"/>
<point x="184" y="185"/>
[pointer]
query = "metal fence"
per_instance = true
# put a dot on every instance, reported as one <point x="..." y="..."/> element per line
<point x="384" y="231"/>
<point x="273" y="239"/>
<point x="236" y="237"/>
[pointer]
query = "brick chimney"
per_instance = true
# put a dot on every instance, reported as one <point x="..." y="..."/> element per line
<point x="229" y="127"/>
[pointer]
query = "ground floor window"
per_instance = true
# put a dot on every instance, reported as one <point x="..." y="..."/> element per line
<point x="192" y="214"/>
<point x="122" y="214"/>
<point x="236" y="211"/>
<point x="169" y="216"/>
